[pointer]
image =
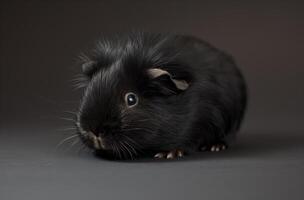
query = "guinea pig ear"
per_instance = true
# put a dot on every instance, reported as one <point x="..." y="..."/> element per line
<point x="157" y="72"/>
<point x="88" y="68"/>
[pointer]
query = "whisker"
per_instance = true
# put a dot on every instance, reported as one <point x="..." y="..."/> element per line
<point x="125" y="147"/>
<point x="118" y="150"/>
<point x="65" y="140"/>
<point x="122" y="149"/>
<point x="132" y="149"/>
<point x="124" y="153"/>
<point x="76" y="141"/>
<point x="136" y="145"/>
<point x="67" y="119"/>
<point x="67" y="129"/>
<point x="70" y="112"/>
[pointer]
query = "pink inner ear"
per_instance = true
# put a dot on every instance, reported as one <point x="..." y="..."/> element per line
<point x="156" y="72"/>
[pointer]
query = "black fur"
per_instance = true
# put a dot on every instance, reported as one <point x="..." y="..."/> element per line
<point x="210" y="110"/>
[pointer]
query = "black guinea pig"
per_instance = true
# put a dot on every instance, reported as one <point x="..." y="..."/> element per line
<point x="160" y="95"/>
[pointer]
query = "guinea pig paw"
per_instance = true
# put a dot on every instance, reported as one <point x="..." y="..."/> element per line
<point x="215" y="147"/>
<point x="218" y="147"/>
<point x="170" y="155"/>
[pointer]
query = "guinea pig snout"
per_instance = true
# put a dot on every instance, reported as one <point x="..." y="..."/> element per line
<point x="96" y="140"/>
<point x="105" y="128"/>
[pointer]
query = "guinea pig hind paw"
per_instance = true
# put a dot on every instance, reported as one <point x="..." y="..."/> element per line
<point x="218" y="147"/>
<point x="170" y="155"/>
<point x="214" y="147"/>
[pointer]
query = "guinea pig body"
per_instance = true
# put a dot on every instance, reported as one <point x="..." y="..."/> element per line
<point x="159" y="94"/>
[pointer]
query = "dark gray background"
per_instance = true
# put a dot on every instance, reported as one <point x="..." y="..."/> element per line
<point x="39" y="45"/>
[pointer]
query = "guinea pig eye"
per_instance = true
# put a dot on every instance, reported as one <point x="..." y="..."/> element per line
<point x="131" y="99"/>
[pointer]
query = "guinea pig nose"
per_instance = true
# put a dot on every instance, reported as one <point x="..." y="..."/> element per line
<point x="97" y="131"/>
<point x="104" y="128"/>
<point x="101" y="129"/>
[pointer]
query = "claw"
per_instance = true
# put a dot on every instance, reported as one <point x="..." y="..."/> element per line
<point x="214" y="148"/>
<point x="180" y="153"/>
<point x="159" y="155"/>
<point x="170" y="155"/>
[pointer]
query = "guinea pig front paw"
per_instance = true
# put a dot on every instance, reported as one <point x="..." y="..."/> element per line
<point x="170" y="154"/>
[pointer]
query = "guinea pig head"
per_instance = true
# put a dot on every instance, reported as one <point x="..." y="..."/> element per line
<point x="127" y="110"/>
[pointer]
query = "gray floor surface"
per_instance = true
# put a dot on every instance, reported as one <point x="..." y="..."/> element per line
<point x="262" y="165"/>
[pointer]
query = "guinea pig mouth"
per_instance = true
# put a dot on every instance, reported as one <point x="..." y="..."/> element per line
<point x="123" y="147"/>
<point x="97" y="141"/>
<point x="90" y="139"/>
